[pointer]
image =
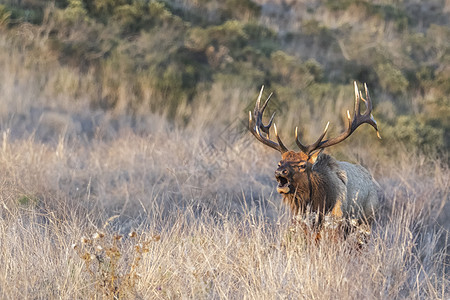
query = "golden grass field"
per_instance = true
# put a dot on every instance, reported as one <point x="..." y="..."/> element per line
<point x="191" y="212"/>
<point x="211" y="224"/>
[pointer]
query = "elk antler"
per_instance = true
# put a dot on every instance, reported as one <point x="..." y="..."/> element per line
<point x="257" y="128"/>
<point x="353" y="123"/>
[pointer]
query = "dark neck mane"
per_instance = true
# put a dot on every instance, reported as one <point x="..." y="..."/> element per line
<point x="317" y="193"/>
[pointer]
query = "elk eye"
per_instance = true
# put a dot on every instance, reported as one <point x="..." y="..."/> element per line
<point x="302" y="166"/>
<point x="279" y="164"/>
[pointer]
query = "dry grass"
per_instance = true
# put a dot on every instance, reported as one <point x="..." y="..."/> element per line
<point x="223" y="232"/>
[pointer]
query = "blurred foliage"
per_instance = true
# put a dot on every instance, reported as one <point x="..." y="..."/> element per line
<point x="419" y="132"/>
<point x="391" y="79"/>
<point x="155" y="55"/>
<point x="5" y="14"/>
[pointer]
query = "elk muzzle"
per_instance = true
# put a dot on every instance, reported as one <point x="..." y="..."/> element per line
<point x="283" y="175"/>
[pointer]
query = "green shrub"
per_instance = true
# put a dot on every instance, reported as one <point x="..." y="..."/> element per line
<point x="30" y="14"/>
<point x="75" y="11"/>
<point x="419" y="132"/>
<point x="315" y="69"/>
<point x="341" y="5"/>
<point x="28" y="201"/>
<point x="230" y="34"/>
<point x="197" y="39"/>
<point x="261" y="38"/>
<point x="128" y="17"/>
<point x="242" y="9"/>
<point x="287" y="69"/>
<point x="391" y="79"/>
<point x="103" y="9"/>
<point x="5" y="15"/>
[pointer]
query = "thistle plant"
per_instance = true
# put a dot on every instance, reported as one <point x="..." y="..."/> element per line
<point x="112" y="270"/>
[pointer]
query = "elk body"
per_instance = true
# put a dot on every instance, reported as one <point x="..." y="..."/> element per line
<point x="311" y="181"/>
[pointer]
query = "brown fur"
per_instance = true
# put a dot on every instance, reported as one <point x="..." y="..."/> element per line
<point x="320" y="184"/>
<point x="312" y="183"/>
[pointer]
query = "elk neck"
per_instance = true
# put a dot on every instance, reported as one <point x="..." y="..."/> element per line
<point x="317" y="190"/>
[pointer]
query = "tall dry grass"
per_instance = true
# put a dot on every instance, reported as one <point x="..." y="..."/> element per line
<point x="223" y="231"/>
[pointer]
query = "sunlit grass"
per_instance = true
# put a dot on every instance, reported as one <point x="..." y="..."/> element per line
<point x="223" y="232"/>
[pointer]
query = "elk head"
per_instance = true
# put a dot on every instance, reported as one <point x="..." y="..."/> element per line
<point x="296" y="170"/>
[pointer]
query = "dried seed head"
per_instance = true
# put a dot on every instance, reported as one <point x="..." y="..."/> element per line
<point x="74" y="246"/>
<point x="84" y="240"/>
<point x="156" y="237"/>
<point x="118" y="237"/>
<point x="98" y="248"/>
<point x="132" y="234"/>
<point x="98" y="235"/>
<point x="354" y="222"/>
<point x="365" y="230"/>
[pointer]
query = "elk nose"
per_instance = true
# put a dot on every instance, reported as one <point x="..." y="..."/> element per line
<point x="281" y="173"/>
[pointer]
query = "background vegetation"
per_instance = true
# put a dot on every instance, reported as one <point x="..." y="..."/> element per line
<point x="130" y="115"/>
<point x="177" y="57"/>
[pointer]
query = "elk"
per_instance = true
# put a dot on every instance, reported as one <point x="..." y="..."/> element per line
<point x="312" y="181"/>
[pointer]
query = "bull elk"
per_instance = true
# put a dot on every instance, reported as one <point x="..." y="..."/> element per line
<point x="311" y="181"/>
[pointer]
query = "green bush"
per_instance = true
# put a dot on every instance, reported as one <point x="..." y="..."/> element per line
<point x="391" y="79"/>
<point x="419" y="132"/>
<point x="75" y="11"/>
<point x="128" y="17"/>
<point x="5" y="15"/>
<point x="242" y="9"/>
<point x="287" y="69"/>
<point x="230" y="34"/>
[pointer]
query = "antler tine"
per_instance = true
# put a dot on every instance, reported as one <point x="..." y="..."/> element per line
<point x="368" y="111"/>
<point x="357" y="99"/>
<point x="299" y="144"/>
<point x="257" y="127"/>
<point x="357" y="120"/>
<point x="368" y="101"/>
<point x="319" y="140"/>
<point x="266" y="102"/>
<point x="266" y="128"/>
<point x="258" y="109"/>
<point x="282" y="146"/>
<point x="367" y="117"/>
<point x="258" y="101"/>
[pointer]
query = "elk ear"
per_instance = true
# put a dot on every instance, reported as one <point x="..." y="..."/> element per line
<point x="313" y="157"/>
